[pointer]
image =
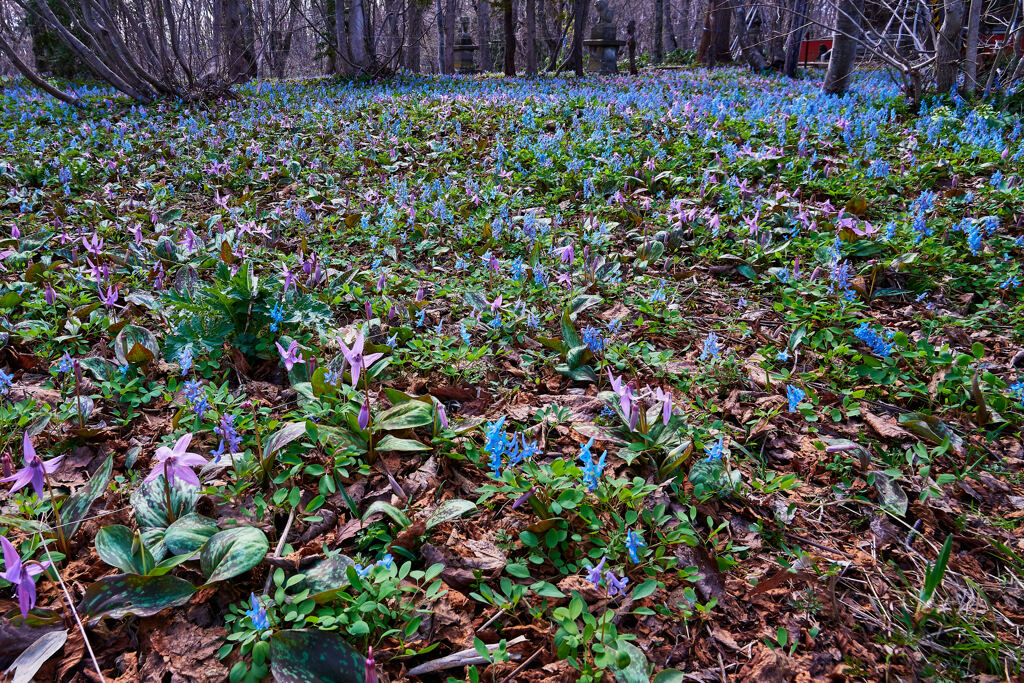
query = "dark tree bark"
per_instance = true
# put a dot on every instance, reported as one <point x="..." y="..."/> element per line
<point x="531" y="38"/>
<point x="509" y="8"/>
<point x="412" y="55"/>
<point x="671" y="44"/>
<point x="449" y="31"/>
<point x="238" y="40"/>
<point x="631" y="46"/>
<point x="659" y="31"/>
<point x="720" y="20"/>
<point x="574" y="60"/>
<point x="796" y="38"/>
<point x="442" y="39"/>
<point x="844" y="47"/>
<point x="947" y="52"/>
<point x="751" y="50"/>
<point x="483" y="29"/>
<point x="971" y="57"/>
<point x="343" y="58"/>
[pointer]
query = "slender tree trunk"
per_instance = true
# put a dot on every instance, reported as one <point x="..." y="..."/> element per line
<point x="971" y="58"/>
<point x="796" y="38"/>
<point x="357" y="35"/>
<point x="412" y="55"/>
<point x="947" y="52"/>
<point x="344" y="57"/>
<point x="442" y="39"/>
<point x="449" y="32"/>
<point x="844" y="47"/>
<point x="751" y="51"/>
<point x="574" y="60"/>
<point x="510" y="37"/>
<point x="671" y="44"/>
<point x="483" y="32"/>
<point x="659" y="31"/>
<point x="531" y="38"/>
<point x="722" y="17"/>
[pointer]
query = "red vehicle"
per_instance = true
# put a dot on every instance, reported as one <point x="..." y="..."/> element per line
<point x="812" y="49"/>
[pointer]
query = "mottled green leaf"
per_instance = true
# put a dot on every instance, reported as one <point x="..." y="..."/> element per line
<point x="130" y="337"/>
<point x="76" y="507"/>
<point x="117" y="546"/>
<point x="406" y="415"/>
<point x="150" y="502"/>
<point x="282" y="437"/>
<point x="449" y="510"/>
<point x="308" y="656"/>
<point x="232" y="552"/>
<point x="123" y="594"/>
<point x="189" y="533"/>
<point x="327" y="576"/>
<point x="393" y="443"/>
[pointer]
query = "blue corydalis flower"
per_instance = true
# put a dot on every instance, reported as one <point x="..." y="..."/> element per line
<point x="794" y="395"/>
<point x="714" y="450"/>
<point x="633" y="545"/>
<point x="257" y="613"/>
<point x="711" y="349"/>
<point x="879" y="345"/>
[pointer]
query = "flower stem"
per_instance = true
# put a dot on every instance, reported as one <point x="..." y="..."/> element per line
<point x="61" y="540"/>
<point x="167" y="492"/>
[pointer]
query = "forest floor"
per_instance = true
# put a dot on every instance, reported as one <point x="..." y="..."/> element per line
<point x="691" y="376"/>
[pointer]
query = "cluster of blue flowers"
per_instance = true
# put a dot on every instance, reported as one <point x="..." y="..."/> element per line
<point x="794" y="395"/>
<point x="591" y="470"/>
<point x="185" y="359"/>
<point x="593" y="339"/>
<point x="385" y="562"/>
<point x="879" y="344"/>
<point x="505" y="449"/>
<point x="715" y="450"/>
<point x="230" y="442"/>
<point x="196" y="397"/>
<point x="5" y="382"/>
<point x="1017" y="391"/>
<point x="711" y="349"/>
<point x="613" y="584"/>
<point x="633" y="545"/>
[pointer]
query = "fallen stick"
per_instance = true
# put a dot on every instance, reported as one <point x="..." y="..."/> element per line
<point x="461" y="658"/>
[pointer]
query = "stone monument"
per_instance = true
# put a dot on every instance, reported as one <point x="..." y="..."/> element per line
<point x="603" y="46"/>
<point x="464" y="48"/>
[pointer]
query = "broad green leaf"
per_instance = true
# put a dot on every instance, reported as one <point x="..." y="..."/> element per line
<point x="189" y="533"/>
<point x="282" y="437"/>
<point x="327" y="576"/>
<point x="232" y="552"/>
<point x="449" y="510"/>
<point x="668" y="676"/>
<point x="134" y="344"/>
<point x="117" y="546"/>
<point x="390" y="510"/>
<point x="637" y="669"/>
<point x="393" y="443"/>
<point x="150" y="502"/>
<point x="311" y="656"/>
<point x="142" y="596"/>
<point x="76" y="507"/>
<point x="408" y="415"/>
<point x="24" y="668"/>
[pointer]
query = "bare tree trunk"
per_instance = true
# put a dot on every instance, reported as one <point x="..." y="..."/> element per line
<point x="441" y="37"/>
<point x="751" y="51"/>
<point x="844" y="47"/>
<point x="659" y="31"/>
<point x="671" y="44"/>
<point x="449" y="31"/>
<point x="343" y="62"/>
<point x="574" y="60"/>
<point x="31" y="75"/>
<point x="971" y="59"/>
<point x="357" y="35"/>
<point x="796" y="38"/>
<point x="947" y="52"/>
<point x="531" y="38"/>
<point x="483" y="32"/>
<point x="510" y="37"/>
<point x="721" y="16"/>
<point x="412" y="56"/>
